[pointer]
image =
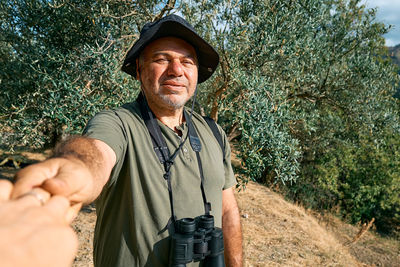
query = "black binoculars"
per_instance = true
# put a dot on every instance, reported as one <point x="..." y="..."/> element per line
<point x="197" y="240"/>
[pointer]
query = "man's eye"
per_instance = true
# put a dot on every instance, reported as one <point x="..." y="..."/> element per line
<point x="161" y="60"/>
<point x="187" y="61"/>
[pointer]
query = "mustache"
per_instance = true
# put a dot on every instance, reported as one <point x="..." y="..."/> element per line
<point x="174" y="82"/>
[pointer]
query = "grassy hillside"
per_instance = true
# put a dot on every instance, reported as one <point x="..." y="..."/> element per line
<point x="275" y="233"/>
<point x="278" y="233"/>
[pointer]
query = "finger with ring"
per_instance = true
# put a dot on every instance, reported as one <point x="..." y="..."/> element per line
<point x="39" y="194"/>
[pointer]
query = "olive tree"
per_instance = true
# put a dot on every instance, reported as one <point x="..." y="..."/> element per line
<point x="60" y="63"/>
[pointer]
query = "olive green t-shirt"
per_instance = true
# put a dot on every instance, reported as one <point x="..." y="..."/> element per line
<point x="133" y="209"/>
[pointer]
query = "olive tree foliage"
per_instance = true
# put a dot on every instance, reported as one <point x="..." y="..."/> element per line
<point x="232" y="95"/>
<point x="60" y="63"/>
<point x="328" y="60"/>
<point x="309" y="86"/>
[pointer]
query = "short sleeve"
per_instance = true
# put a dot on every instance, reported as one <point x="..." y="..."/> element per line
<point x="230" y="179"/>
<point x="107" y="126"/>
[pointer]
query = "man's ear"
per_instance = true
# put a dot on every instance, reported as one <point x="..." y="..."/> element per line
<point x="137" y="70"/>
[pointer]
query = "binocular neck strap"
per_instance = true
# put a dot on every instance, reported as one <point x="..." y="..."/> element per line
<point x="196" y="146"/>
<point x="163" y="153"/>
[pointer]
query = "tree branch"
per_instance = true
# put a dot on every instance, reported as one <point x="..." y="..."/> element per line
<point x="168" y="7"/>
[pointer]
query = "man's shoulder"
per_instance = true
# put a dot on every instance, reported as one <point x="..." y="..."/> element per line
<point x="196" y="118"/>
<point x="206" y="121"/>
<point x="130" y="109"/>
<point x="125" y="116"/>
<point x="211" y="126"/>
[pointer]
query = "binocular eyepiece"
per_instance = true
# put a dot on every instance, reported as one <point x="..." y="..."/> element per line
<point x="196" y="239"/>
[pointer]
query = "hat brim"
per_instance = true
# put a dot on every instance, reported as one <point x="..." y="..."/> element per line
<point x="207" y="57"/>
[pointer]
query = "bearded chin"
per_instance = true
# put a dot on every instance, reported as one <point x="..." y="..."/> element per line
<point x="173" y="104"/>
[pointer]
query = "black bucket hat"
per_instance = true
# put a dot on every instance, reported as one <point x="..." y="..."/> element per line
<point x="173" y="26"/>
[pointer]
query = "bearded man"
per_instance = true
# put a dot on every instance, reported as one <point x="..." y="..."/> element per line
<point x="151" y="162"/>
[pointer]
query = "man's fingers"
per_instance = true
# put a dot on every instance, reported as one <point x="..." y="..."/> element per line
<point x="33" y="176"/>
<point x="58" y="176"/>
<point x="69" y="183"/>
<point x="73" y="212"/>
<point x="64" y="184"/>
<point x="5" y="190"/>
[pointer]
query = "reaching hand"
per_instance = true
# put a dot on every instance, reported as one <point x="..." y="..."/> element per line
<point x="59" y="176"/>
<point x="79" y="176"/>
<point x="34" y="229"/>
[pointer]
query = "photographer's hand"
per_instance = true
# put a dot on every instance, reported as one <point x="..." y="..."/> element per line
<point x="34" y="229"/>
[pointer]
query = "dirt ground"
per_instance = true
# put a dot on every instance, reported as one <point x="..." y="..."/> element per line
<point x="275" y="233"/>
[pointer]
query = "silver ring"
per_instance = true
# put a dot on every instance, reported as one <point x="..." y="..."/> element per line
<point x="36" y="195"/>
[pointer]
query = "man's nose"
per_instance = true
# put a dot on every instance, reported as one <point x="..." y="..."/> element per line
<point x="175" y="68"/>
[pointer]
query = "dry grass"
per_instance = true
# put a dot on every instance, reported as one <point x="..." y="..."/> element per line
<point x="277" y="233"/>
<point x="371" y="249"/>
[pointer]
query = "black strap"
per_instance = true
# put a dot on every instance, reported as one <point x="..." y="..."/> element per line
<point x="207" y="205"/>
<point x="214" y="128"/>
<point x="159" y="144"/>
<point x="196" y="146"/>
<point x="162" y="151"/>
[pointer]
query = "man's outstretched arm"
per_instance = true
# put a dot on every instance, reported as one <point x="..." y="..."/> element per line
<point x="232" y="230"/>
<point x="78" y="170"/>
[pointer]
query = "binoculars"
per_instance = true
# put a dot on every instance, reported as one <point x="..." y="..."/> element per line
<point x="197" y="240"/>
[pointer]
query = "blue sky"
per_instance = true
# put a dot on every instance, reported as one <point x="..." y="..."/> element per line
<point x="388" y="13"/>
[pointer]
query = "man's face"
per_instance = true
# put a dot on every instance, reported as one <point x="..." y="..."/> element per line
<point x="168" y="71"/>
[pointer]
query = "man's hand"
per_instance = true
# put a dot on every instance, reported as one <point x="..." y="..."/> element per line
<point x="34" y="230"/>
<point x="79" y="173"/>
<point x="59" y="176"/>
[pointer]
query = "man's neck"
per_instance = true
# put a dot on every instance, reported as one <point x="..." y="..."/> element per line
<point x="171" y="121"/>
<point x="170" y="117"/>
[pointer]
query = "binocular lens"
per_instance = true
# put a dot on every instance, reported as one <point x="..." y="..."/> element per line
<point x="186" y="226"/>
<point x="197" y="240"/>
<point x="206" y="222"/>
